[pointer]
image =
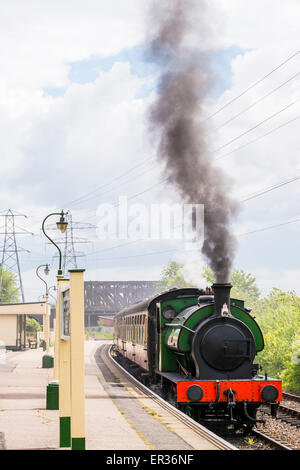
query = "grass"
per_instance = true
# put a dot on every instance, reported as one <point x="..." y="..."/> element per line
<point x="94" y="333"/>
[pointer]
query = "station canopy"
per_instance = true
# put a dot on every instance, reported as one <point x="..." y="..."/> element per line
<point x="31" y="308"/>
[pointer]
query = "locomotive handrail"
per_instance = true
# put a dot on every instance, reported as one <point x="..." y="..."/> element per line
<point x="181" y="326"/>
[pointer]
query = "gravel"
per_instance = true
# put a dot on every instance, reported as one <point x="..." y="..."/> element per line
<point x="280" y="431"/>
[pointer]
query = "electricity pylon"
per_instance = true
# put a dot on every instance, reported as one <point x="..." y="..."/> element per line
<point x="10" y="253"/>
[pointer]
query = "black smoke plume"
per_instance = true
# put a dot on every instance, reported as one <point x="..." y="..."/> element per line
<point x="176" y="118"/>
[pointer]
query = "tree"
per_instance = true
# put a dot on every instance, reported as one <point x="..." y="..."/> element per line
<point x="208" y="275"/>
<point x="279" y="318"/>
<point x="172" y="276"/>
<point x="9" y="291"/>
<point x="244" y="285"/>
<point x="291" y="375"/>
<point x="32" y="326"/>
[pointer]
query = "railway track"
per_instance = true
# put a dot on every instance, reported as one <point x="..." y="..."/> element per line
<point x="289" y="415"/>
<point x="217" y="441"/>
<point x="287" y="426"/>
<point x="291" y="396"/>
<point x="267" y="438"/>
<point x="286" y="415"/>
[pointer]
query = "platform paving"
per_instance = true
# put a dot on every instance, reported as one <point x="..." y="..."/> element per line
<point x="26" y="424"/>
<point x="116" y="417"/>
<point x="106" y="427"/>
<point x="24" y="421"/>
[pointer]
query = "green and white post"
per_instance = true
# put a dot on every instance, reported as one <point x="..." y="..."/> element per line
<point x="52" y="396"/>
<point x="64" y="364"/>
<point x="77" y="358"/>
<point x="52" y="400"/>
<point x="57" y="330"/>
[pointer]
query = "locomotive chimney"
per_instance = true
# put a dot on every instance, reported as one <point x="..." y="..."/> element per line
<point x="222" y="298"/>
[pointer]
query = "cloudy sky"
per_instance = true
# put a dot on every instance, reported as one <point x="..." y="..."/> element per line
<point x="74" y="93"/>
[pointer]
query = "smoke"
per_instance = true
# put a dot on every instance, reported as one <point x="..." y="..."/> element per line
<point x="176" y="119"/>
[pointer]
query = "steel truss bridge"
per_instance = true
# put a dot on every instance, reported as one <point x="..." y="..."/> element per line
<point x="106" y="298"/>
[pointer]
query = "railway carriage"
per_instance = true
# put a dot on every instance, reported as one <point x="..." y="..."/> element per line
<point x="199" y="349"/>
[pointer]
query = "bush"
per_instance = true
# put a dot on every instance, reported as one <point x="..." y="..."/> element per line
<point x="32" y="326"/>
<point x="279" y="318"/>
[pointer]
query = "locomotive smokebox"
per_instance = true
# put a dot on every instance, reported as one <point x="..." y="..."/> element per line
<point x="222" y="298"/>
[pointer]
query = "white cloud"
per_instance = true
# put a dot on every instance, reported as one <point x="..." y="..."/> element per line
<point x="54" y="150"/>
<point x="93" y="133"/>
<point x="261" y="25"/>
<point x="39" y="39"/>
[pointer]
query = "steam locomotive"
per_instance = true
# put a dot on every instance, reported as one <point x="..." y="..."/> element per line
<point x="199" y="349"/>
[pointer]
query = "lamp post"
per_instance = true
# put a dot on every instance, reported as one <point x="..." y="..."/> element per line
<point x="46" y="315"/>
<point x="62" y="226"/>
<point x="54" y="289"/>
<point x="53" y="387"/>
<point x="46" y="271"/>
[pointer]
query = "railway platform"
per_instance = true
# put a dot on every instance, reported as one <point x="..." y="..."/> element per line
<point x="117" y="416"/>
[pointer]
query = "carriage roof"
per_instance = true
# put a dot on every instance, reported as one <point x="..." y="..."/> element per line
<point x="149" y="303"/>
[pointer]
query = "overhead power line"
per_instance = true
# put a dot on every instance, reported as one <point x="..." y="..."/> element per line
<point x="112" y="189"/>
<point x="229" y="153"/>
<point x="270" y="188"/>
<point x="248" y="198"/>
<point x="258" y="101"/>
<point x="140" y="255"/>
<point x="253" y="85"/>
<point x="257" y="125"/>
<point x="270" y="227"/>
<point x="259" y="138"/>
<point x="218" y="158"/>
<point x="75" y="201"/>
<point x="133" y="196"/>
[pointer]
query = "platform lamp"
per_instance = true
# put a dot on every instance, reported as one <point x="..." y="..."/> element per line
<point x="46" y="271"/>
<point x="54" y="289"/>
<point x="62" y="226"/>
<point x="46" y="316"/>
<point x="52" y="397"/>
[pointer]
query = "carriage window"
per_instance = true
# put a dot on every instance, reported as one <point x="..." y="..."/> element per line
<point x="142" y="330"/>
<point x="146" y="331"/>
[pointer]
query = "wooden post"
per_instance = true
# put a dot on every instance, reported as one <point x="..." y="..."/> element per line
<point x="47" y="325"/>
<point x="57" y="331"/>
<point x="77" y="358"/>
<point x="64" y="368"/>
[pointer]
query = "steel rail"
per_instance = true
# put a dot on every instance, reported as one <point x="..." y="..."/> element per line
<point x="270" y="440"/>
<point x="291" y="396"/>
